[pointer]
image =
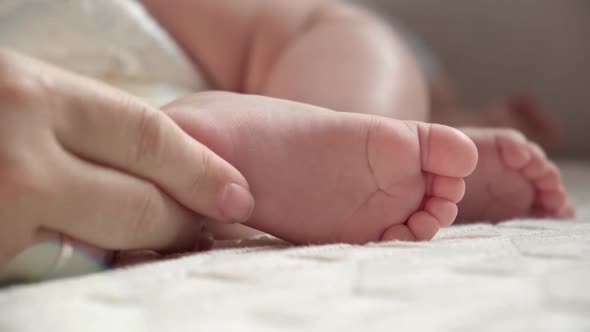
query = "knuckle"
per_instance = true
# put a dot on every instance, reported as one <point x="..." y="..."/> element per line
<point x="27" y="87"/>
<point x="20" y="184"/>
<point x="22" y="81"/>
<point x="150" y="141"/>
<point x="19" y="92"/>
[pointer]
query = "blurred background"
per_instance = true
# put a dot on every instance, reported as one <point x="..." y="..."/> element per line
<point x="493" y="48"/>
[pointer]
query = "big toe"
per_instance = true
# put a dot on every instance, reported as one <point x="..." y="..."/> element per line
<point x="446" y="151"/>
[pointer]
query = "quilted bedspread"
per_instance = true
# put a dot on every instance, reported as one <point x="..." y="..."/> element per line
<point x="521" y="275"/>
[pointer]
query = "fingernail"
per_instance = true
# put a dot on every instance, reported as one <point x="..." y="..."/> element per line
<point x="237" y="203"/>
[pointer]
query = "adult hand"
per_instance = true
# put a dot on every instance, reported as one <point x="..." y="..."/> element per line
<point x="83" y="159"/>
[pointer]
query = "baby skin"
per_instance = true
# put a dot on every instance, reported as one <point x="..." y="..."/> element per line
<point x="320" y="176"/>
<point x="513" y="179"/>
<point x="332" y="174"/>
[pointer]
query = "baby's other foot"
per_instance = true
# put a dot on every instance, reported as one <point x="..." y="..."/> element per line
<point x="525" y="114"/>
<point x="520" y="112"/>
<point x="513" y="179"/>
<point x="320" y="176"/>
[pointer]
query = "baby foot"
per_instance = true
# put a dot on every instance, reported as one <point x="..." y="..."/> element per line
<point x="524" y="113"/>
<point x="320" y="176"/>
<point x="513" y="179"/>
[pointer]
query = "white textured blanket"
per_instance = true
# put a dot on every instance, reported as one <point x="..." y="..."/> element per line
<point x="522" y="275"/>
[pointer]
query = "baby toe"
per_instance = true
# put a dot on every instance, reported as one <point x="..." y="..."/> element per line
<point x="513" y="148"/>
<point x="451" y="189"/>
<point x="398" y="233"/>
<point x="423" y="225"/>
<point x="441" y="209"/>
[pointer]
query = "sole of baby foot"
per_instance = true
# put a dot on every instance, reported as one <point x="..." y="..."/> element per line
<point x="320" y="176"/>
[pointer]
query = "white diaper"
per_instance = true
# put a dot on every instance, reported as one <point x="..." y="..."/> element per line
<point x="117" y="42"/>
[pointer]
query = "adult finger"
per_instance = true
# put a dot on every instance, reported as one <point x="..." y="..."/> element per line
<point x="118" y="212"/>
<point x="109" y="127"/>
